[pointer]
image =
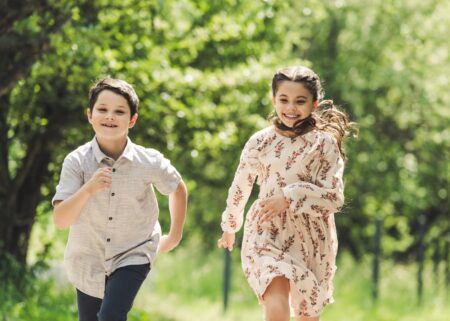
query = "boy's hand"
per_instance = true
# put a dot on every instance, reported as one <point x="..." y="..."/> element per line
<point x="100" y="180"/>
<point x="272" y="206"/>
<point x="168" y="243"/>
<point x="226" y="241"/>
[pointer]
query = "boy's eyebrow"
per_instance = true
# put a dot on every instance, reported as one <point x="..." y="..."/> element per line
<point x="120" y="106"/>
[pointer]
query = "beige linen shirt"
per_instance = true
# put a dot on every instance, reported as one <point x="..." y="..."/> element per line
<point x="117" y="226"/>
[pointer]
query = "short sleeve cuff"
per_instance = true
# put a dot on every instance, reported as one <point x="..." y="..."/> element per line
<point x="60" y="197"/>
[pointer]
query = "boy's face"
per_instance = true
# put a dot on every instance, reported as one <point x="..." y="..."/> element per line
<point x="111" y="116"/>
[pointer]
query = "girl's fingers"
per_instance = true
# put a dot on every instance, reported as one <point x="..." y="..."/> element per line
<point x="224" y="245"/>
<point x="266" y="214"/>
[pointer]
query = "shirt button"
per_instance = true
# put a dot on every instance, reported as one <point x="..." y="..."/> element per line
<point x="110" y="218"/>
<point x="107" y="240"/>
<point x="112" y="194"/>
<point x="113" y="170"/>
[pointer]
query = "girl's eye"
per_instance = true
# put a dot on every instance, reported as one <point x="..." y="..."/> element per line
<point x="301" y="102"/>
<point x="284" y="101"/>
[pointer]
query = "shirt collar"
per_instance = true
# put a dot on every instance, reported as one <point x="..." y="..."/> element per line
<point x="129" y="150"/>
<point x="127" y="153"/>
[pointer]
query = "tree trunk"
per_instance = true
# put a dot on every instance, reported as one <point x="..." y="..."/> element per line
<point x="20" y="215"/>
<point x="20" y="202"/>
<point x="20" y="196"/>
<point x="20" y="192"/>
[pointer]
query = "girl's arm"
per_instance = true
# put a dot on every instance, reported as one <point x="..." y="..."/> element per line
<point x="239" y="192"/>
<point x="177" y="207"/>
<point x="326" y="196"/>
<point x="67" y="211"/>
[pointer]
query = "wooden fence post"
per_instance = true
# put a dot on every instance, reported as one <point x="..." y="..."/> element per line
<point x="226" y="278"/>
<point x="421" y="257"/>
<point x="376" y="259"/>
<point x="447" y="262"/>
<point x="436" y="262"/>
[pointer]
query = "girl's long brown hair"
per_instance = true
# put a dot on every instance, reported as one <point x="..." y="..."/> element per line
<point x="328" y="116"/>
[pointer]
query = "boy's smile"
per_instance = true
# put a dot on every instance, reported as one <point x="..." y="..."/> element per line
<point x="109" y="125"/>
<point x="111" y="116"/>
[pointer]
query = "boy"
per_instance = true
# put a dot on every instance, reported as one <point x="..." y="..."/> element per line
<point x="105" y="195"/>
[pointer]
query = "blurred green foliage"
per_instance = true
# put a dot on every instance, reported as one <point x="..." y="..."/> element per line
<point x="202" y="70"/>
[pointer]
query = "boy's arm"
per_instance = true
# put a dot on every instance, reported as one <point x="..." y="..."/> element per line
<point x="67" y="211"/>
<point x="177" y="207"/>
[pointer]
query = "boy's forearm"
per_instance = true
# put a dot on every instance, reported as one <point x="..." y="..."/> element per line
<point x="177" y="207"/>
<point x="67" y="211"/>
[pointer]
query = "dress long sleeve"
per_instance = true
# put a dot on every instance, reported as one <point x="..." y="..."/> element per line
<point x="326" y="195"/>
<point x="239" y="192"/>
<point x="299" y="244"/>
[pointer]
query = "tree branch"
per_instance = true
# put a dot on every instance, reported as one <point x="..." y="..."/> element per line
<point x="5" y="180"/>
<point x="15" y="10"/>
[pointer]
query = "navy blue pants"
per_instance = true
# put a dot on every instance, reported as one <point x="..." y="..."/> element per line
<point x="120" y="290"/>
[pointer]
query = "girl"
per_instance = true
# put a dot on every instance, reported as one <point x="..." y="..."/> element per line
<point x="290" y="244"/>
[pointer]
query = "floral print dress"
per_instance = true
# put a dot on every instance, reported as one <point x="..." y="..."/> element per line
<point x="301" y="243"/>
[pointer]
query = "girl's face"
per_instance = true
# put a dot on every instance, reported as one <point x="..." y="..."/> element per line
<point x="293" y="102"/>
<point x="111" y="116"/>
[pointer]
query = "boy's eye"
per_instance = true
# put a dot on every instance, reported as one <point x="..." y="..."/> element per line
<point x="284" y="101"/>
<point x="120" y="112"/>
<point x="300" y="102"/>
<point x="101" y="109"/>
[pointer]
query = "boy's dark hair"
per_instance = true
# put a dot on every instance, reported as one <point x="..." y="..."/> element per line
<point x="117" y="86"/>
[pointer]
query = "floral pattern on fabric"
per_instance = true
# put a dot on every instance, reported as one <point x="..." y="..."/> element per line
<point x="300" y="243"/>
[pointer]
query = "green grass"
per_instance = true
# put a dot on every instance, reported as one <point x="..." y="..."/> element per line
<point x="186" y="285"/>
<point x="397" y="299"/>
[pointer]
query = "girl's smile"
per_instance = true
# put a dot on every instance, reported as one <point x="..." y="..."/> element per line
<point x="293" y="102"/>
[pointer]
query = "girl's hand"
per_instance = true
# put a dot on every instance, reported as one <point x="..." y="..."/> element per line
<point x="100" y="180"/>
<point x="168" y="243"/>
<point x="272" y="206"/>
<point x="226" y="241"/>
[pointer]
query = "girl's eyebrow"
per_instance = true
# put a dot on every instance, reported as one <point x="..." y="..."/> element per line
<point x="284" y="95"/>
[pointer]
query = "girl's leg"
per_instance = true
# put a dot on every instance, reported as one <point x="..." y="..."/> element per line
<point x="121" y="289"/>
<point x="88" y="306"/>
<point x="276" y="300"/>
<point x="307" y="319"/>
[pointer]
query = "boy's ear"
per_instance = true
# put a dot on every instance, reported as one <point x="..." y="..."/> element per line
<point x="89" y="114"/>
<point x="133" y="121"/>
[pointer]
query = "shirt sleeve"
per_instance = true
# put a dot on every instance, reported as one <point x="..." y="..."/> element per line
<point x="71" y="179"/>
<point x="165" y="178"/>
<point x="241" y="187"/>
<point x="326" y="196"/>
